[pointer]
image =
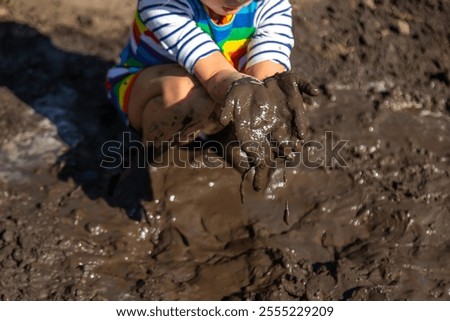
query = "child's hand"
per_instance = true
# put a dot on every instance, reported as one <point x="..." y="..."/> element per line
<point x="262" y="110"/>
<point x="288" y="89"/>
<point x="250" y="107"/>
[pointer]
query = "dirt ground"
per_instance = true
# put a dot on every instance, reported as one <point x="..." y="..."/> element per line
<point x="378" y="229"/>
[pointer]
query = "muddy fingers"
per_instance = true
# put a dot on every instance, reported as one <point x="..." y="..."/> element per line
<point x="307" y="87"/>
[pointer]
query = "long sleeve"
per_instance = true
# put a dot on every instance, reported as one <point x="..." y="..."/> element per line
<point x="173" y="26"/>
<point x="273" y="39"/>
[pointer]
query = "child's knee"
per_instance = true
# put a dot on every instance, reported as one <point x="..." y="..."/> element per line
<point x="177" y="89"/>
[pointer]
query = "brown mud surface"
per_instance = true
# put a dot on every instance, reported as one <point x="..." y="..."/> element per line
<point x="378" y="229"/>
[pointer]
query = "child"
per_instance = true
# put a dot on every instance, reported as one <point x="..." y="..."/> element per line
<point x="194" y="66"/>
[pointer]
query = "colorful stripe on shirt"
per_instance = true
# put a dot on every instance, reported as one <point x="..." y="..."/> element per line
<point x="233" y="36"/>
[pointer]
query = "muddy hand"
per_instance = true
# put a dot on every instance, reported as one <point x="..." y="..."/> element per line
<point x="249" y="106"/>
<point x="288" y="89"/>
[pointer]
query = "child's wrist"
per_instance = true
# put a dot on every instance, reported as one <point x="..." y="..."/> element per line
<point x="246" y="80"/>
<point x="219" y="85"/>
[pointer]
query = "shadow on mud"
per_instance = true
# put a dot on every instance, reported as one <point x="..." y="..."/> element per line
<point x="68" y="89"/>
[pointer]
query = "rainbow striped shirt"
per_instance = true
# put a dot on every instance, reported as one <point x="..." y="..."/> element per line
<point x="181" y="31"/>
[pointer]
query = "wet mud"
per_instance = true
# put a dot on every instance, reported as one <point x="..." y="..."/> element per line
<point x="377" y="229"/>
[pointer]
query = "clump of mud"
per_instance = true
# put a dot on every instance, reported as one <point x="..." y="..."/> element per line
<point x="375" y="229"/>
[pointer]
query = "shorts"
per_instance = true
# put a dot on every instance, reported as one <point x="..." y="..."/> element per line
<point x="119" y="92"/>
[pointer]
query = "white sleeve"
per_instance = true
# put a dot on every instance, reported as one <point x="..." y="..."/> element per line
<point x="273" y="39"/>
<point x="172" y="23"/>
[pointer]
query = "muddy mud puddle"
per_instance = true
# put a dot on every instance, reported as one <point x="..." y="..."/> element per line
<point x="377" y="229"/>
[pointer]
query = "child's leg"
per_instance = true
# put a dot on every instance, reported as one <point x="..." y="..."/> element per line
<point x="165" y="101"/>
